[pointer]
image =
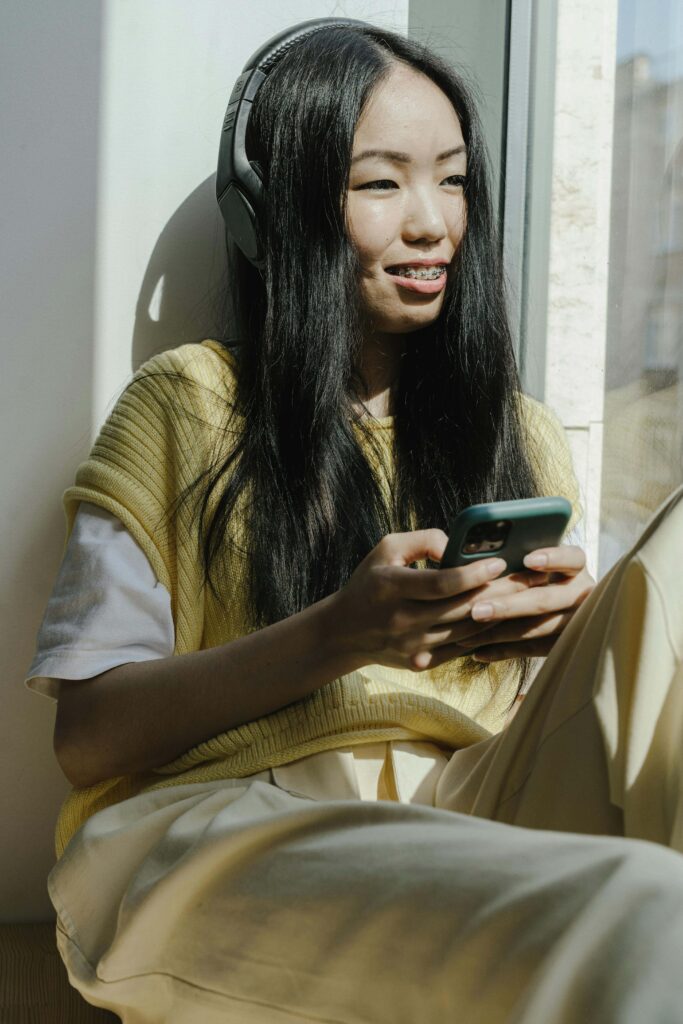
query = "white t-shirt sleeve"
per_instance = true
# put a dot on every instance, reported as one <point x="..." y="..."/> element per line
<point x="107" y="607"/>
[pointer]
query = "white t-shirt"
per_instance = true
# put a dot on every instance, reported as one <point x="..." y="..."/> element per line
<point x="107" y="606"/>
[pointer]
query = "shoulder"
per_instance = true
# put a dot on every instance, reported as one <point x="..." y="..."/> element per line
<point x="196" y="376"/>
<point x="545" y="434"/>
<point x="206" y="362"/>
<point x="542" y="421"/>
<point x="165" y="428"/>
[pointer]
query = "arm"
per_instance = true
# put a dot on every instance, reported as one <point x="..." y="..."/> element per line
<point x="141" y="715"/>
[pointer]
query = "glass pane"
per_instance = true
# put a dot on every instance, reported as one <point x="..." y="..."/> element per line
<point x="643" y="402"/>
<point x="474" y="38"/>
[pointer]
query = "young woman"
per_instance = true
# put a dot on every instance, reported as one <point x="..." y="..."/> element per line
<point x="296" y="796"/>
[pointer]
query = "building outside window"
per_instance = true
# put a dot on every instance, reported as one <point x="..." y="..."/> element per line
<point x="643" y="414"/>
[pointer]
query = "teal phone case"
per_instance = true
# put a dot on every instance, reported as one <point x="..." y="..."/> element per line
<point x="506" y="529"/>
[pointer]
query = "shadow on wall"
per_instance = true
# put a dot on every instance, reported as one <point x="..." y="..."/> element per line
<point x="184" y="295"/>
<point x="181" y="298"/>
<point x="52" y="56"/>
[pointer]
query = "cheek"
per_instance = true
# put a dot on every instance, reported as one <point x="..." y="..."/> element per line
<point x="370" y="229"/>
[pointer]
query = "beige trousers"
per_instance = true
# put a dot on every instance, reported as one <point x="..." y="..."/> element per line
<point x="522" y="892"/>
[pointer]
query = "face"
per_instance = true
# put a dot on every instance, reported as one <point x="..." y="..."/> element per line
<point x="406" y="207"/>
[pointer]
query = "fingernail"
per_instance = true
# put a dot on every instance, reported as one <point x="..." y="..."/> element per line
<point x="495" y="566"/>
<point x="481" y="657"/>
<point x="536" y="561"/>
<point x="482" y="611"/>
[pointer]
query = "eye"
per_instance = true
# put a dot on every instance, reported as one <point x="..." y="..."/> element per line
<point x="376" y="186"/>
<point x="381" y="184"/>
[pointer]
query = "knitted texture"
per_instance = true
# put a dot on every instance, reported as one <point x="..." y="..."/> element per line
<point x="161" y="434"/>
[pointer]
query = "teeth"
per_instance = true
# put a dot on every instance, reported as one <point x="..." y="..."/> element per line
<point x="424" y="273"/>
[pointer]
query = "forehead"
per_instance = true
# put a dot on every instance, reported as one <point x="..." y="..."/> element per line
<point x="408" y="107"/>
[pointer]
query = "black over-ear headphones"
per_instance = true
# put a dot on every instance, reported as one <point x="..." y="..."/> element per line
<point x="239" y="184"/>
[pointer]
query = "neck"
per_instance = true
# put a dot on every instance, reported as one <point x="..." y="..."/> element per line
<point x="378" y="372"/>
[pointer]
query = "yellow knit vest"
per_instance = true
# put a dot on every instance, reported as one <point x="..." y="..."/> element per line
<point x="158" y="438"/>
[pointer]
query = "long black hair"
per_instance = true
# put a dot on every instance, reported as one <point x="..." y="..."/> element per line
<point x="315" y="506"/>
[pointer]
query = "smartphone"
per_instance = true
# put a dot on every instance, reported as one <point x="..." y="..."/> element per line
<point x="505" y="529"/>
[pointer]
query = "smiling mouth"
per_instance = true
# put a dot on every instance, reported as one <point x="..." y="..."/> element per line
<point x="419" y="273"/>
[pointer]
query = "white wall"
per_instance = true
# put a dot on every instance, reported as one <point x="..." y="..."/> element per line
<point x="111" y="247"/>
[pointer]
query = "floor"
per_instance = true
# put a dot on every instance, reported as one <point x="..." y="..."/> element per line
<point x="34" y="987"/>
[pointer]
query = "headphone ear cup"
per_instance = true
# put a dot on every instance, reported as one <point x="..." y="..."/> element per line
<point x="239" y="214"/>
<point x="239" y="180"/>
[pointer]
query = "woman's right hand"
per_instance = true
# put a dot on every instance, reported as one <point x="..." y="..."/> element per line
<point x="390" y="614"/>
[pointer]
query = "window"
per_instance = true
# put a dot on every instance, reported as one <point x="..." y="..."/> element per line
<point x="643" y="413"/>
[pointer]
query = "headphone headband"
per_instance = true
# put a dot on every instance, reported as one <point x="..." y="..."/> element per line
<point x="239" y="185"/>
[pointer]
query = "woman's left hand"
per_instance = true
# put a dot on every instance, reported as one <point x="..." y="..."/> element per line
<point x="527" y="623"/>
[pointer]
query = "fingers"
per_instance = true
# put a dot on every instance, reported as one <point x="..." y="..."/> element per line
<point x="455" y="611"/>
<point x="537" y="648"/>
<point x="437" y="656"/>
<point x="444" y="614"/>
<point x="437" y="584"/>
<point x="567" y="592"/>
<point x="504" y="632"/>
<point x="517" y="631"/>
<point x="512" y="634"/>
<point x="567" y="558"/>
<point x="532" y="638"/>
<point x="513" y="638"/>
<point x="524" y="649"/>
<point x="440" y="584"/>
<point x="400" y="549"/>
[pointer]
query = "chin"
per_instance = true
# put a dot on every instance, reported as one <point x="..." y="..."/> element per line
<point x="416" y="316"/>
<point x="407" y="324"/>
<point x="409" y="313"/>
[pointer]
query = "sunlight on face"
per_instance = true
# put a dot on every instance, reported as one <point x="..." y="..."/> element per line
<point x="400" y="211"/>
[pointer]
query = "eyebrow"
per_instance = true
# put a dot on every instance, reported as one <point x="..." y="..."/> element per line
<point x="404" y="158"/>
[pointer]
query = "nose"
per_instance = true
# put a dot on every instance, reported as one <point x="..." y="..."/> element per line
<point x="423" y="217"/>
